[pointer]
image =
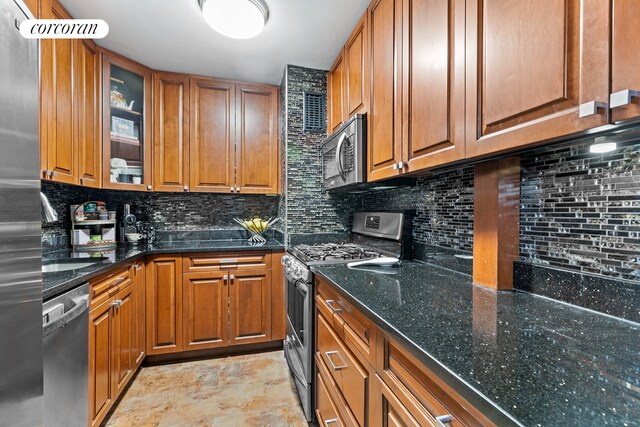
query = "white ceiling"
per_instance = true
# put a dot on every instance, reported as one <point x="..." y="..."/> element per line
<point x="172" y="35"/>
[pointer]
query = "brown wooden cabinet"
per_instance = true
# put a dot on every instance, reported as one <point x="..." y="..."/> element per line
<point x="126" y="130"/>
<point x="101" y="389"/>
<point x="335" y="94"/>
<point x="257" y="160"/>
<point x="88" y="113"/>
<point x="625" y="61"/>
<point x="356" y="70"/>
<point x="113" y="325"/>
<point x="205" y="298"/>
<point x="170" y="132"/>
<point x="57" y="93"/>
<point x="525" y="83"/>
<point x="211" y="137"/>
<point x="384" y="121"/>
<point x="139" y="342"/>
<point x="164" y="304"/>
<point x="249" y="306"/>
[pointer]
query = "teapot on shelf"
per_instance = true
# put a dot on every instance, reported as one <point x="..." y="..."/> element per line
<point x="116" y="95"/>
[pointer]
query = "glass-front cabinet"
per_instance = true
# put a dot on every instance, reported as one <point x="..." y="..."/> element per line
<point x="126" y="124"/>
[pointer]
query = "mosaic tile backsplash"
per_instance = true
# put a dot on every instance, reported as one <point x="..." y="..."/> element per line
<point x="581" y="211"/>
<point x="443" y="205"/>
<point x="167" y="211"/>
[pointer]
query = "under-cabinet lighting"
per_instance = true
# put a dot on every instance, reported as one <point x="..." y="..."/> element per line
<point x="603" y="147"/>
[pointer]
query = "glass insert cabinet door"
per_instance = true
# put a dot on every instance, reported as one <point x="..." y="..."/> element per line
<point x="126" y="124"/>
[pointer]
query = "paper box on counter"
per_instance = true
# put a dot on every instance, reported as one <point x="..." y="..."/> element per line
<point x="109" y="234"/>
<point x="80" y="237"/>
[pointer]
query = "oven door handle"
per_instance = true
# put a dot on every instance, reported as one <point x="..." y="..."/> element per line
<point x="339" y="157"/>
<point x="302" y="287"/>
<point x="294" y="372"/>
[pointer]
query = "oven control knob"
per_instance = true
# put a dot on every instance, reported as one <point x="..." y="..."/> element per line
<point x="286" y="260"/>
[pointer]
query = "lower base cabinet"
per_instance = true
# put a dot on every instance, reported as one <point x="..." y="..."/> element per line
<point x="112" y="348"/>
<point x="367" y="379"/>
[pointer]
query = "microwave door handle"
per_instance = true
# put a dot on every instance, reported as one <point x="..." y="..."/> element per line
<point x="339" y="157"/>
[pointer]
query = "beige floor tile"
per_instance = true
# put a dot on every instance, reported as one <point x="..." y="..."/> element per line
<point x="250" y="390"/>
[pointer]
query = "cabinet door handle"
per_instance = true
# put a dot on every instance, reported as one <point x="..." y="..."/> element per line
<point x="137" y="267"/>
<point x="444" y="419"/>
<point x="185" y="188"/>
<point x="237" y="189"/>
<point x="330" y="304"/>
<point x="225" y="277"/>
<point x="336" y="368"/>
<point x="53" y="173"/>
<point x="624" y="97"/>
<point x="149" y="187"/>
<point x="232" y="277"/>
<point x="117" y="303"/>
<point x="331" y="421"/>
<point x="232" y="189"/>
<point x="395" y="166"/>
<point x="401" y="165"/>
<point x="590" y="108"/>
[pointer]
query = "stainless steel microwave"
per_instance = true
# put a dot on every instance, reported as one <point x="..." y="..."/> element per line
<point x="343" y="155"/>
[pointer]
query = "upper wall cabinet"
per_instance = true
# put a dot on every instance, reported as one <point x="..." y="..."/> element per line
<point x="69" y="122"/>
<point x="625" y="61"/>
<point x="170" y="132"/>
<point x="433" y="81"/>
<point x="536" y="70"/>
<point x="256" y="141"/>
<point x="126" y="130"/>
<point x="335" y="94"/>
<point x="211" y="139"/>
<point x="348" y="79"/>
<point x="384" y="121"/>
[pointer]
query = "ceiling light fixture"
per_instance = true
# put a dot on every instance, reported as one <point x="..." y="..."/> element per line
<point x="602" y="145"/>
<point x="238" y="19"/>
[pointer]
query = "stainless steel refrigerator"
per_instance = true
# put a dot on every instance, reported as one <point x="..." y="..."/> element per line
<point x="20" y="222"/>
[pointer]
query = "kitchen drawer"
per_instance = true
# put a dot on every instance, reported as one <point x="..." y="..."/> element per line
<point x="345" y="369"/>
<point x="106" y="286"/>
<point x="336" y="400"/>
<point x="424" y="395"/>
<point x="358" y="331"/>
<point x="326" y="410"/>
<point x="392" y="412"/>
<point x="226" y="261"/>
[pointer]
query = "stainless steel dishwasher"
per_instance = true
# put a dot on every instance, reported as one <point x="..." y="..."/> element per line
<point x="65" y="325"/>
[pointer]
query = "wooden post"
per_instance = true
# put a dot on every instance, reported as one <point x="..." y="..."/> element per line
<point x="496" y="225"/>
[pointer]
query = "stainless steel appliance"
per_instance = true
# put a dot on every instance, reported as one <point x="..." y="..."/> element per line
<point x="374" y="235"/>
<point x="20" y="219"/>
<point x="343" y="155"/>
<point x="65" y="325"/>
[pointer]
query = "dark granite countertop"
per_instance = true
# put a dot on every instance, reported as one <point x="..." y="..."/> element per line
<point x="519" y="358"/>
<point x="59" y="282"/>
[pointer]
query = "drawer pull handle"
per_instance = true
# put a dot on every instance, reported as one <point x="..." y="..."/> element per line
<point x="117" y="282"/>
<point x="335" y="310"/>
<point x="444" y="419"/>
<point x="335" y="368"/>
<point x="229" y="261"/>
<point x="331" y="421"/>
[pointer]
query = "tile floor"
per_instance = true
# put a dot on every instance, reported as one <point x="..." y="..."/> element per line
<point x="251" y="390"/>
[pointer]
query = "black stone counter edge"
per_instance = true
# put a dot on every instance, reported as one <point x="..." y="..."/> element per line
<point x="481" y="402"/>
<point x="97" y="270"/>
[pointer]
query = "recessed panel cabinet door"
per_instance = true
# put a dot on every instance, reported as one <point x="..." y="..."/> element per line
<point x="101" y="389"/>
<point x="250" y="306"/>
<point x="530" y="65"/>
<point x="212" y="123"/>
<point x="625" y="61"/>
<point x="164" y="304"/>
<point x="384" y="119"/>
<point x="356" y="69"/>
<point x="257" y="159"/>
<point x="335" y="94"/>
<point x="57" y="93"/>
<point x="123" y="344"/>
<point x="170" y="132"/>
<point x="139" y="343"/>
<point x="88" y="120"/>
<point x="205" y="309"/>
<point x="434" y="76"/>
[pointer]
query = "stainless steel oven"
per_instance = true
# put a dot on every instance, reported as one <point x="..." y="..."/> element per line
<point x="343" y="155"/>
<point x="298" y="344"/>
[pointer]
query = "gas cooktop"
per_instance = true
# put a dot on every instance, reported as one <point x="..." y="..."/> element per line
<point x="333" y="252"/>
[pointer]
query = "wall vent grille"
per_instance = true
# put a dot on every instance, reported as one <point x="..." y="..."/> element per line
<point x="315" y="112"/>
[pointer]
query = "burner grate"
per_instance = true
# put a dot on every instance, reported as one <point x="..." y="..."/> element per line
<point x="332" y="251"/>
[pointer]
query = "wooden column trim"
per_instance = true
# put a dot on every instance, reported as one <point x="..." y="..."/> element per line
<point x="496" y="225"/>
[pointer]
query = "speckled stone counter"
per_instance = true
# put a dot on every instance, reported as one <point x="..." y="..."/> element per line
<point x="59" y="282"/>
<point x="517" y="357"/>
